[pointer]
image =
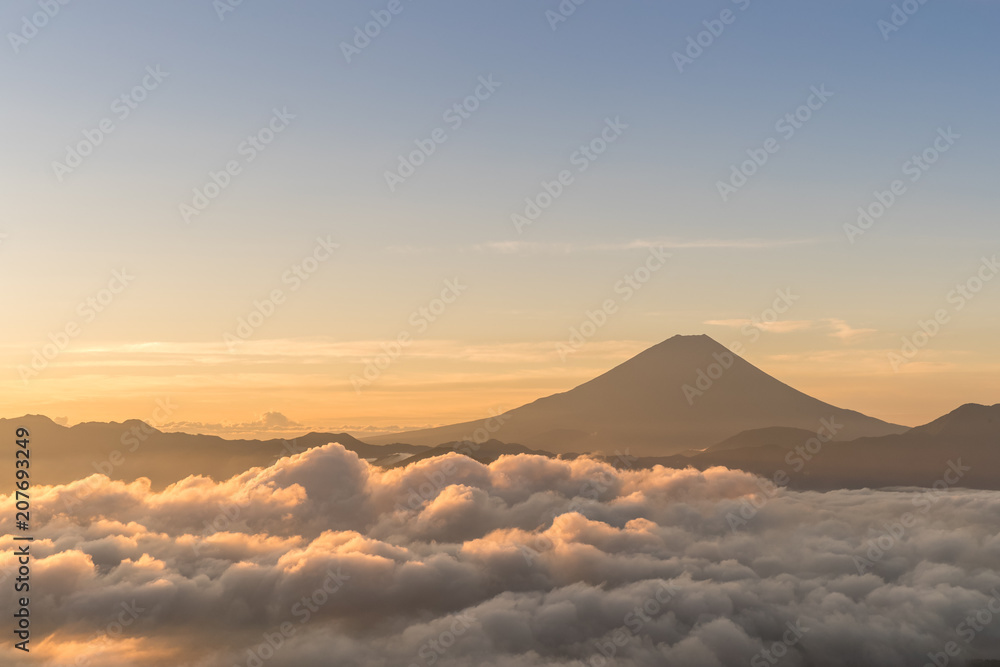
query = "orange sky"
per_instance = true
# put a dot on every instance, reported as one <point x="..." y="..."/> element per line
<point x="281" y="387"/>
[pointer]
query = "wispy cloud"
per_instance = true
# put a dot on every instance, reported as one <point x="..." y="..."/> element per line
<point x="530" y="247"/>
<point x="781" y="326"/>
<point x="319" y="351"/>
<point x="269" y="423"/>
<point x="749" y="243"/>
<point x="844" y="331"/>
<point x="410" y="249"/>
<point x="551" y="248"/>
<point x="277" y="425"/>
<point x="831" y="326"/>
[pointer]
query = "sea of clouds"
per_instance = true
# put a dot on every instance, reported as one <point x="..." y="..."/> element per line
<point x="322" y="559"/>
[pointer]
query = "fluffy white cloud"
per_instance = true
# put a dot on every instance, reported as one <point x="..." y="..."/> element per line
<point x="321" y="559"/>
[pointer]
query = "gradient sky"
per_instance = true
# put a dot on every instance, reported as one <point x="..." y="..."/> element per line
<point x="495" y="347"/>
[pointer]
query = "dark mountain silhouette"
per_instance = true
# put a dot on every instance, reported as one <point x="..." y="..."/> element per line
<point x="965" y="441"/>
<point x="134" y="449"/>
<point x="686" y="395"/>
<point x="971" y="421"/>
<point x="960" y="449"/>
<point x="687" y="392"/>
<point x="785" y="437"/>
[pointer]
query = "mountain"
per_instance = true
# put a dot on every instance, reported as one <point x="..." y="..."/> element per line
<point x="134" y="449"/>
<point x="785" y="437"/>
<point x="962" y="448"/>
<point x="687" y="392"/>
<point x="971" y="421"/>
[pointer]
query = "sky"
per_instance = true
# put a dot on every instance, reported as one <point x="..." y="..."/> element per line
<point x="272" y="222"/>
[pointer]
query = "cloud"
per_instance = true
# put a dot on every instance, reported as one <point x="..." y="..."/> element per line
<point x="268" y="424"/>
<point x="532" y="247"/>
<point x="844" y="331"/>
<point x="778" y="326"/>
<point x="323" y="351"/>
<point x="835" y="328"/>
<point x="321" y="559"/>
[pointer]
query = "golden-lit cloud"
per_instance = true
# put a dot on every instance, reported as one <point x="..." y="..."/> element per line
<point x="529" y="558"/>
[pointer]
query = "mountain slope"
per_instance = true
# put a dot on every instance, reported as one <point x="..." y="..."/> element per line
<point x="970" y="421"/>
<point x="134" y="449"/>
<point x="962" y="448"/>
<point x="784" y="437"/>
<point x="686" y="392"/>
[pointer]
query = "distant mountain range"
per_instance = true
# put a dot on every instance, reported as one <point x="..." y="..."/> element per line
<point x="688" y="392"/>
<point x="134" y="449"/>
<point x="962" y="448"/>
<point x="966" y="442"/>
<point x="743" y="419"/>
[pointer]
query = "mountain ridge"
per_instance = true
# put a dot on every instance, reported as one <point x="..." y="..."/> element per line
<point x="965" y="455"/>
<point x="921" y="456"/>
<point x="687" y="392"/>
<point x="133" y="448"/>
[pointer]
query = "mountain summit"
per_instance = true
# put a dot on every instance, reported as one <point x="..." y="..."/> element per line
<point x="686" y="392"/>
